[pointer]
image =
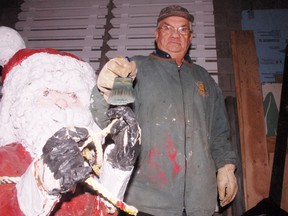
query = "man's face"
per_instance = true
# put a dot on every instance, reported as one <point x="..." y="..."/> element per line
<point x="173" y="41"/>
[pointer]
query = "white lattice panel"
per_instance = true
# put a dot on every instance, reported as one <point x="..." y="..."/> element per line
<point x="75" y="26"/>
<point x="134" y="24"/>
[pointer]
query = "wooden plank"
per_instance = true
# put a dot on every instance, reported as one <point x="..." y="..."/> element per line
<point x="73" y="44"/>
<point x="150" y="42"/>
<point x="63" y="4"/>
<point x="61" y="13"/>
<point x="195" y="48"/>
<point x="206" y="31"/>
<point x="162" y="3"/>
<point x="165" y="2"/>
<point x="154" y="8"/>
<point x="148" y="31"/>
<point x="201" y="17"/>
<point x="256" y="174"/>
<point x="151" y="20"/>
<point x="62" y="34"/>
<point x="86" y="54"/>
<point x="58" y="24"/>
<point x="202" y="56"/>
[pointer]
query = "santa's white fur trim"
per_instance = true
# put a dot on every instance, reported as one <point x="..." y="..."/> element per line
<point x="10" y="42"/>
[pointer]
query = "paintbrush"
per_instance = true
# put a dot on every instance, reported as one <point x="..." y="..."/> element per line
<point x="122" y="92"/>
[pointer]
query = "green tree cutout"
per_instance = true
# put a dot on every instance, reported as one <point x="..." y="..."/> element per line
<point x="271" y="114"/>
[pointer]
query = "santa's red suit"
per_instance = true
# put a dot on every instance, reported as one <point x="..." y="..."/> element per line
<point x="25" y="79"/>
<point x="14" y="160"/>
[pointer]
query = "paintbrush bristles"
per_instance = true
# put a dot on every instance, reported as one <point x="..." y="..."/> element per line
<point x="122" y="92"/>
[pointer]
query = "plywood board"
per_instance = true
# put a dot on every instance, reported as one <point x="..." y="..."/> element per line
<point x="256" y="173"/>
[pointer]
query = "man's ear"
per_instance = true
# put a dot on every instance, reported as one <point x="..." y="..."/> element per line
<point x="156" y="33"/>
<point x="190" y="38"/>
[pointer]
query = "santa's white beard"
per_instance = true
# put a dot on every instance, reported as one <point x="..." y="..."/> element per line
<point x="34" y="124"/>
<point x="27" y="116"/>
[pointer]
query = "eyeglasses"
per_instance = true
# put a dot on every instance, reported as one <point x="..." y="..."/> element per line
<point x="183" y="30"/>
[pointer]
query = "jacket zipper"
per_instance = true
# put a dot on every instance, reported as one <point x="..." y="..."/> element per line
<point x="185" y="162"/>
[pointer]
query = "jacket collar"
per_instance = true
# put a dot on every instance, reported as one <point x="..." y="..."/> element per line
<point x="163" y="54"/>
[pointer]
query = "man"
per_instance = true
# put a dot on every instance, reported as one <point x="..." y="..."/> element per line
<point x="185" y="131"/>
<point x="45" y="121"/>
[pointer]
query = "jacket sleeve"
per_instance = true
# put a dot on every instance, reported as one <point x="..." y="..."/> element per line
<point x="98" y="108"/>
<point x="220" y="145"/>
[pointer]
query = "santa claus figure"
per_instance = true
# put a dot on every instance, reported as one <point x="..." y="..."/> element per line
<point x="50" y="158"/>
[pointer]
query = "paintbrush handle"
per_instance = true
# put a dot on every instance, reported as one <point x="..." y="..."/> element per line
<point x="114" y="200"/>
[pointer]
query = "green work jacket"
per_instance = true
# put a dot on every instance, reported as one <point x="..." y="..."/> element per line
<point x="185" y="137"/>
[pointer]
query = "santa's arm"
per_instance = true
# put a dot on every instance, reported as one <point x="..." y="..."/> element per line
<point x="58" y="171"/>
<point x="32" y="198"/>
<point x="62" y="165"/>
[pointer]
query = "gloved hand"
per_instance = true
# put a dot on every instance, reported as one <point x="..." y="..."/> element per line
<point x="227" y="184"/>
<point x="126" y="134"/>
<point x="62" y="165"/>
<point x="115" y="67"/>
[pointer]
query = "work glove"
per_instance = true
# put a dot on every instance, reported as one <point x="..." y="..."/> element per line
<point x="62" y="165"/>
<point x="116" y="67"/>
<point x="126" y="135"/>
<point x="227" y="184"/>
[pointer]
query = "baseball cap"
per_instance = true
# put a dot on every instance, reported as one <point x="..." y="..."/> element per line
<point x="175" y="10"/>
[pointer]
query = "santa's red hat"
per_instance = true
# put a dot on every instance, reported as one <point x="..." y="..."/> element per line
<point x="23" y="54"/>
